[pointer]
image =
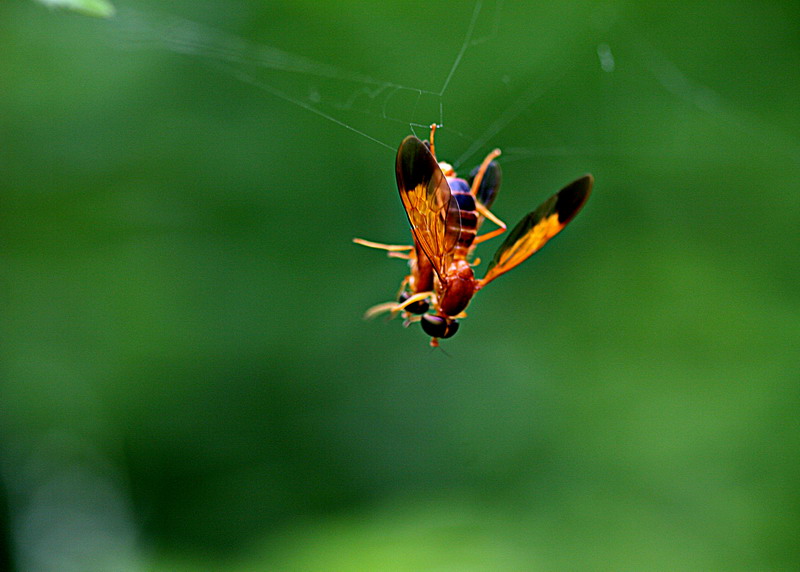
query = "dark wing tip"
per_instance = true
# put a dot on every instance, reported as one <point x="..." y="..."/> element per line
<point x="572" y="198"/>
<point x="413" y="165"/>
<point x="490" y="184"/>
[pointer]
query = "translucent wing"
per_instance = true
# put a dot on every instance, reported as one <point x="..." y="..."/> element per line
<point x="490" y="184"/>
<point x="533" y="231"/>
<point x="432" y="211"/>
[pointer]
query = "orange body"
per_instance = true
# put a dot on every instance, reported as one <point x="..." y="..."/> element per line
<point x="457" y="289"/>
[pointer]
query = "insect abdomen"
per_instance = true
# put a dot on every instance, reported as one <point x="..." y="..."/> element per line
<point x="469" y="218"/>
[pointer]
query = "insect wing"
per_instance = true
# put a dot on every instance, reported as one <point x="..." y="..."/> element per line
<point x="533" y="231"/>
<point x="432" y="211"/>
<point x="490" y="184"/>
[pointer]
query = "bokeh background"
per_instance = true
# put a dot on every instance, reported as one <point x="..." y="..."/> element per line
<point x="186" y="379"/>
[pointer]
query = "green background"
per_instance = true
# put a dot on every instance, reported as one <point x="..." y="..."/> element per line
<point x="186" y="380"/>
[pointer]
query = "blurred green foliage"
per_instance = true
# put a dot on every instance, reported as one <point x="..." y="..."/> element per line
<point x="186" y="382"/>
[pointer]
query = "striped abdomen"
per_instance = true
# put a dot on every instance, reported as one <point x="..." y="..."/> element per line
<point x="459" y="189"/>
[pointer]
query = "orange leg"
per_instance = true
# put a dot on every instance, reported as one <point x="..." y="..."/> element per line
<point x="419" y="296"/>
<point x="482" y="210"/>
<point x="433" y="148"/>
<point x="476" y="182"/>
<point x="394" y="307"/>
<point x="380" y="309"/>
<point x="393" y="250"/>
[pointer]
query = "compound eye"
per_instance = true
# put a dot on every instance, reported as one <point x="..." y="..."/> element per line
<point x="438" y="327"/>
<point x="418" y="307"/>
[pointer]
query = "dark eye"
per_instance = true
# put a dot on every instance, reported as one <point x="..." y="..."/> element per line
<point x="438" y="327"/>
<point x="419" y="307"/>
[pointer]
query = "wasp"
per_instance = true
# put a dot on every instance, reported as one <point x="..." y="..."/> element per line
<point x="445" y="213"/>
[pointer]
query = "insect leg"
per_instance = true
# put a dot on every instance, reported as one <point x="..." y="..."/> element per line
<point x="394" y="307"/>
<point x="483" y="211"/>
<point x="393" y="250"/>
<point x="380" y="309"/>
<point x="418" y="297"/>
<point x="476" y="182"/>
<point x="432" y="147"/>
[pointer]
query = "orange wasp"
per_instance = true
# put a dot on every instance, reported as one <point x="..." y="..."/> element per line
<point x="416" y="288"/>
<point x="445" y="217"/>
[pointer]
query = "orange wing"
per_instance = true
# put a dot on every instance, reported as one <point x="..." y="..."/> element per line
<point x="533" y="231"/>
<point x="432" y="211"/>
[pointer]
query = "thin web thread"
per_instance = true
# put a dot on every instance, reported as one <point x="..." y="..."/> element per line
<point x="247" y="78"/>
<point x="184" y="36"/>
<point x="511" y="112"/>
<point x="465" y="44"/>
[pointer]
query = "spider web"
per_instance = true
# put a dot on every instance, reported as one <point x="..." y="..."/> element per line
<point x="350" y="99"/>
<point x="353" y="100"/>
<point x="358" y="101"/>
<point x="334" y="91"/>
